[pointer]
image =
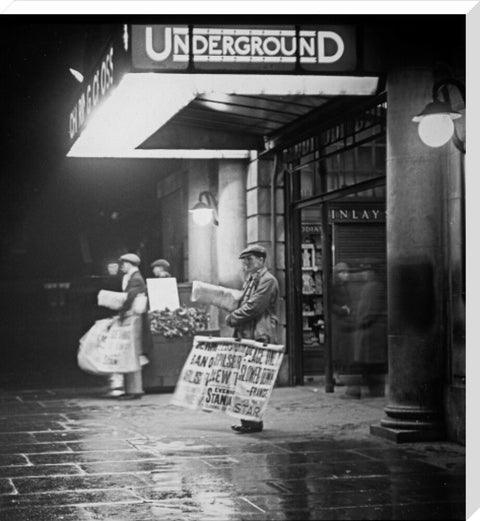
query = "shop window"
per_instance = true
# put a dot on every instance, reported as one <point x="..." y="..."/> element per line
<point x="349" y="152"/>
<point x="313" y="317"/>
<point x="345" y="169"/>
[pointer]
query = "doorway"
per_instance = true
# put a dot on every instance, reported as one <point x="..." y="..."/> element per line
<point x="335" y="261"/>
<point x="336" y="221"/>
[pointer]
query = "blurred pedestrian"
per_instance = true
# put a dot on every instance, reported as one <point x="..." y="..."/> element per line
<point x="133" y="284"/>
<point x="370" y="349"/>
<point x="342" y="325"/>
<point x="160" y="268"/>
<point x="256" y="316"/>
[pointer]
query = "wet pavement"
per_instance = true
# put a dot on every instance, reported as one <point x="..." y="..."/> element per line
<point x="71" y="454"/>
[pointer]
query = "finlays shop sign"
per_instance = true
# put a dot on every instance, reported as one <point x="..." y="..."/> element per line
<point x="316" y="48"/>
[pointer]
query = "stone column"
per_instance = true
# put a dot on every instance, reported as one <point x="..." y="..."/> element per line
<point x="415" y="176"/>
<point x="232" y="230"/>
<point x="232" y="234"/>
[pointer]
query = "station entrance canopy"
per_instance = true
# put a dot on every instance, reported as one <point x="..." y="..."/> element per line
<point x="178" y="91"/>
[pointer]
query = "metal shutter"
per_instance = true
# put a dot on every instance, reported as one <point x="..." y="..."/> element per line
<point x="353" y="243"/>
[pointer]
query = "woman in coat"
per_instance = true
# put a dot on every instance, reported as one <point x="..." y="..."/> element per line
<point x="342" y="326"/>
<point x="370" y="352"/>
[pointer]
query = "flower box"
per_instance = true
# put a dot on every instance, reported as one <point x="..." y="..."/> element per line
<point x="180" y="322"/>
<point x="167" y="357"/>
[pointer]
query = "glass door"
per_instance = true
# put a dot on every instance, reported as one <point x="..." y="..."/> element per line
<point x="342" y="281"/>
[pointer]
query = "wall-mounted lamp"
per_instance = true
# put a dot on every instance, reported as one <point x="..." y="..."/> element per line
<point x="437" y="120"/>
<point x="206" y="210"/>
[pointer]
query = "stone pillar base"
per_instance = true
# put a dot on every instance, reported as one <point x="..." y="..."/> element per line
<point x="405" y="423"/>
<point x="408" y="435"/>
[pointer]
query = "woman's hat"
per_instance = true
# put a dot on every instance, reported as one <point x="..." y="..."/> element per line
<point x="160" y="262"/>
<point x="341" y="266"/>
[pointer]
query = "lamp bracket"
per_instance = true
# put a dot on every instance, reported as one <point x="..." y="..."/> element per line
<point x="441" y="86"/>
<point x="211" y="202"/>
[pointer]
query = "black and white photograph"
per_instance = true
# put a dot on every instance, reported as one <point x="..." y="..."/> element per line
<point x="233" y="256"/>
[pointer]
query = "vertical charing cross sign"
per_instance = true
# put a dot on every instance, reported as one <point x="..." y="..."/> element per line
<point x="95" y="89"/>
<point x="101" y="77"/>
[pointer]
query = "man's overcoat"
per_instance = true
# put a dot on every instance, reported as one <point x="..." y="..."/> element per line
<point x="135" y="286"/>
<point x="256" y="316"/>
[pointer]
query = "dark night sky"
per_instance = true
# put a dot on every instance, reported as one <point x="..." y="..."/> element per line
<point x="35" y="91"/>
<point x="36" y="87"/>
<point x="30" y="87"/>
<point x="50" y="197"/>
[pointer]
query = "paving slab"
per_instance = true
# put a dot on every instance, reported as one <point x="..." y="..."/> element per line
<point x="72" y="454"/>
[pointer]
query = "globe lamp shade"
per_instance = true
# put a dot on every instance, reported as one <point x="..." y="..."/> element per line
<point x="202" y="214"/>
<point x="436" y="130"/>
<point x="435" y="123"/>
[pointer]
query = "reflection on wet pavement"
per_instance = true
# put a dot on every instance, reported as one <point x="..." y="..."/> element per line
<point x="68" y="459"/>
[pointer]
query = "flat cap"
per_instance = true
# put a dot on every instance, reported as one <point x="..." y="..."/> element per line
<point x="341" y="266"/>
<point x="131" y="258"/>
<point x="256" y="250"/>
<point x="160" y="262"/>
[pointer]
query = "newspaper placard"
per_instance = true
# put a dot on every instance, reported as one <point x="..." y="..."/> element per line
<point x="193" y="378"/>
<point x="229" y="375"/>
<point x="257" y="375"/>
<point x="223" y="376"/>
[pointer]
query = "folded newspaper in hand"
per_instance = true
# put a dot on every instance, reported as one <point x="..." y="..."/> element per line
<point x="111" y="299"/>
<point x="224" y="298"/>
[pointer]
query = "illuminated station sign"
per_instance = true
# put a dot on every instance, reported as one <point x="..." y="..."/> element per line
<point x="320" y="48"/>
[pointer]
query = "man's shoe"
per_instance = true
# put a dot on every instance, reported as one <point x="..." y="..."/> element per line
<point x="114" y="393"/>
<point x="130" y="396"/>
<point x="246" y="429"/>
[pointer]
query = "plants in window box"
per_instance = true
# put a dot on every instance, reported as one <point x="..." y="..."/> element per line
<point x="180" y="322"/>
